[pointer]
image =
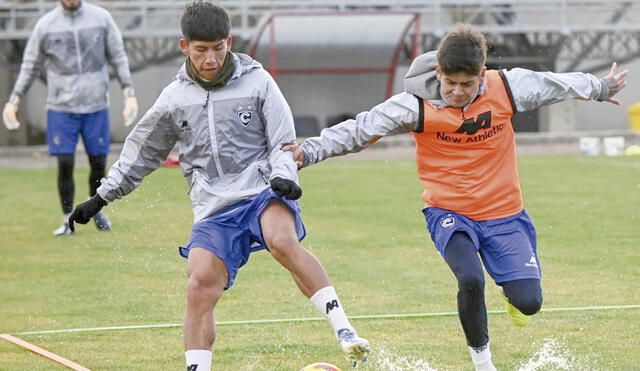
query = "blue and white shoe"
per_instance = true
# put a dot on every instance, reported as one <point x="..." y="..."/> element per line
<point x="102" y="222"/>
<point x="355" y="348"/>
<point x="63" y="230"/>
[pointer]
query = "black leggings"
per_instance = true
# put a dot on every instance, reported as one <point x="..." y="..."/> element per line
<point x="98" y="164"/>
<point x="66" y="185"/>
<point x="461" y="255"/>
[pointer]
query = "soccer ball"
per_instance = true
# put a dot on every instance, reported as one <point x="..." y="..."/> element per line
<point x="320" y="366"/>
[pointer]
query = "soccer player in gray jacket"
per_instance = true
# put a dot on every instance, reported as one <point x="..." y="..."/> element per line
<point x="74" y="42"/>
<point x="231" y="120"/>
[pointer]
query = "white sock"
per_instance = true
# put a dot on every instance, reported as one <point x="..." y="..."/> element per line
<point x="481" y="358"/>
<point x="327" y="302"/>
<point x="198" y="360"/>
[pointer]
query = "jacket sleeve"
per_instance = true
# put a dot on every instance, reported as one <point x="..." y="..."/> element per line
<point x="532" y="89"/>
<point x="32" y="62"/>
<point x="145" y="148"/>
<point x="279" y="130"/>
<point x="398" y="114"/>
<point x="116" y="54"/>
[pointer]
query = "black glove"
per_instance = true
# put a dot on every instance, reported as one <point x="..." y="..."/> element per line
<point x="86" y="210"/>
<point x="286" y="188"/>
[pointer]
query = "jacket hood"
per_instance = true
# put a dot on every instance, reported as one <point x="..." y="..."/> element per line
<point x="421" y="80"/>
<point x="244" y="64"/>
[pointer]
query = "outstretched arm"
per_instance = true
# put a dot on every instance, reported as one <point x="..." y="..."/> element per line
<point x="398" y="114"/>
<point x="144" y="150"/>
<point x="615" y="81"/>
<point x="531" y="89"/>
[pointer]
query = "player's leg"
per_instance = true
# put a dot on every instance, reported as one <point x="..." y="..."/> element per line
<point x="207" y="277"/>
<point x="462" y="257"/>
<point x="510" y="256"/>
<point x="525" y="295"/>
<point x="96" y="137"/>
<point x="66" y="191"/>
<point x="62" y="138"/>
<point x="278" y="225"/>
<point x="98" y="164"/>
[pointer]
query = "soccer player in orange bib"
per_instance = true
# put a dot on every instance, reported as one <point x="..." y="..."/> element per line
<point x="460" y="115"/>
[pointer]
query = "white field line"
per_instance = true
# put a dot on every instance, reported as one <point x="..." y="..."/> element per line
<point x="310" y="319"/>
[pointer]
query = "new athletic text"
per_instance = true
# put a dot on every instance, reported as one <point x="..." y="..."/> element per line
<point x="471" y="127"/>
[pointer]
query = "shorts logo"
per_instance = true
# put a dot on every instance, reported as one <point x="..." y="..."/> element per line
<point x="533" y="263"/>
<point x="447" y="222"/>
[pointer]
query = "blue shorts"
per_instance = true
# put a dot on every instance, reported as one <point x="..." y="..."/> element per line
<point x="63" y="129"/>
<point x="507" y="246"/>
<point x="234" y="232"/>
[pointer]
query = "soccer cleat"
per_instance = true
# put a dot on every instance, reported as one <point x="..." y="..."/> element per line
<point x="102" y="223"/>
<point x="63" y="230"/>
<point x="355" y="348"/>
<point x="518" y="318"/>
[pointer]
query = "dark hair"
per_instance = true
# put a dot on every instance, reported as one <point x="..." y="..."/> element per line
<point x="462" y="50"/>
<point x="204" y="21"/>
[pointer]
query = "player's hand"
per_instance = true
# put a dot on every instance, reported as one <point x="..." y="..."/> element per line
<point x="298" y="155"/>
<point x="9" y="114"/>
<point x="615" y="82"/>
<point x="86" y="210"/>
<point x="286" y="188"/>
<point x="130" y="111"/>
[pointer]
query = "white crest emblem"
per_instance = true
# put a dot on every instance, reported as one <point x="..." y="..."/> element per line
<point x="447" y="222"/>
<point x="245" y="117"/>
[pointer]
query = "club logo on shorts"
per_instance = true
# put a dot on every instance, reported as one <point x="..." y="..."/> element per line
<point x="533" y="263"/>
<point x="448" y="221"/>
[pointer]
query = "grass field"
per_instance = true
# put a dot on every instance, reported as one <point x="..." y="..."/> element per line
<point x="364" y="223"/>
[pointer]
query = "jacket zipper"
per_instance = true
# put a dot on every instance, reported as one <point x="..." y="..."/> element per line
<point x="264" y="178"/>
<point x="75" y="36"/>
<point x="193" y="182"/>
<point x="212" y="134"/>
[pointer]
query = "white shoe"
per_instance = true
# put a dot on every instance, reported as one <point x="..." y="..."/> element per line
<point x="63" y="230"/>
<point x="355" y="348"/>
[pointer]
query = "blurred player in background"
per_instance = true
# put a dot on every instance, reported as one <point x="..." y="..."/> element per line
<point x="460" y="115"/>
<point x="231" y="120"/>
<point x="73" y="43"/>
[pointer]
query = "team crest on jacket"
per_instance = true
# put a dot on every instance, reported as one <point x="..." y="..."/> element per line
<point x="245" y="117"/>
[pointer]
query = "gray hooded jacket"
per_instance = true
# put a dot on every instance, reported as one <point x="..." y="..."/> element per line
<point x="401" y="113"/>
<point x="229" y="138"/>
<point x="74" y="47"/>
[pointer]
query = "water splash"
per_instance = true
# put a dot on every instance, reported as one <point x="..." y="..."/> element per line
<point x="556" y="354"/>
<point x="389" y="361"/>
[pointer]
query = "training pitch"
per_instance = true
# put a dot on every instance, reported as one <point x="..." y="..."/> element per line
<point x="114" y="301"/>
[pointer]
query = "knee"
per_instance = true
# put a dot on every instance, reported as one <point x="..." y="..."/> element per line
<point x="65" y="165"/>
<point x="201" y="289"/>
<point x="527" y="304"/>
<point x="471" y="282"/>
<point x="282" y="245"/>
